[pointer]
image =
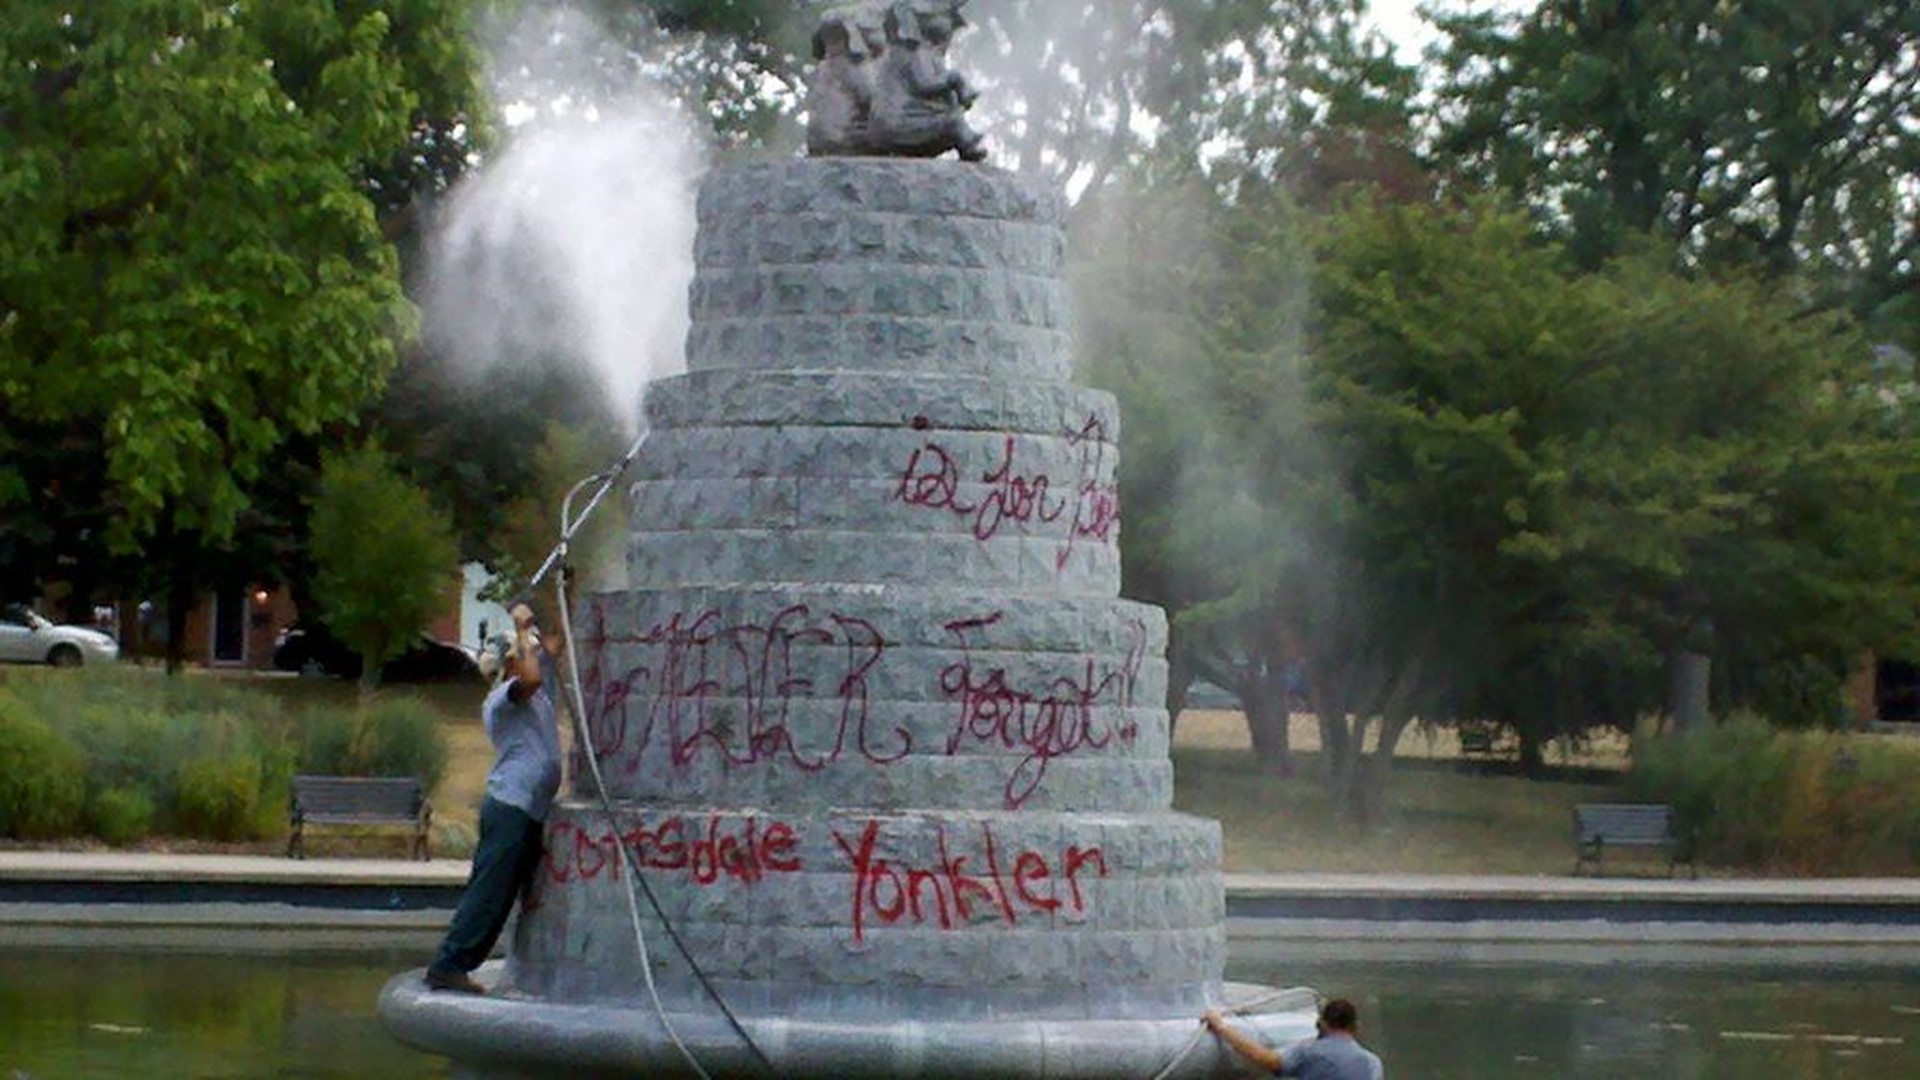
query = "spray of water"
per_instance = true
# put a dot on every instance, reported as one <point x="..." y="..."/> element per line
<point x="573" y="241"/>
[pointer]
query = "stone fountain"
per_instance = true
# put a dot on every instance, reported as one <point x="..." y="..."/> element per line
<point x="877" y="733"/>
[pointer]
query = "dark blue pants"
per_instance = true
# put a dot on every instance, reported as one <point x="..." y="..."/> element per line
<point x="503" y="863"/>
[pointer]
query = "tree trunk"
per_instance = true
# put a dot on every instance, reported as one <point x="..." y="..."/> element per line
<point x="132" y="636"/>
<point x="1267" y="725"/>
<point x="1689" y="663"/>
<point x="80" y="586"/>
<point x="180" y="590"/>
<point x="1180" y="675"/>
<point x="1367" y="797"/>
<point x="1533" y="758"/>
<point x="1335" y="740"/>
<point x="1338" y="745"/>
<point x="1689" y="674"/>
<point x="370" y="666"/>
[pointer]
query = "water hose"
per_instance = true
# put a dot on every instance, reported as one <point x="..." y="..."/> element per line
<point x="1237" y="1010"/>
<point x="556" y="563"/>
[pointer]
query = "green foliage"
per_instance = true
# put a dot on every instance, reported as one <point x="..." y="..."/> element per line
<point x="43" y="784"/>
<point x="737" y="64"/>
<point x="1268" y="88"/>
<point x="1771" y="136"/>
<point x="120" y="816"/>
<point x="1792" y="802"/>
<point x="325" y="742"/>
<point x="188" y="757"/>
<point x="402" y="737"/>
<point x="383" y="554"/>
<point x="197" y="212"/>
<point x="1070" y="88"/>
<point x="1737" y="486"/>
<point x="462" y="439"/>
<point x="1580" y="474"/>
<point x="225" y="798"/>
<point x="138" y="731"/>
<point x="1453" y="476"/>
<point x="137" y="735"/>
<point x="386" y="736"/>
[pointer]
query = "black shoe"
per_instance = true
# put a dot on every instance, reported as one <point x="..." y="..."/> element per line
<point x="458" y="982"/>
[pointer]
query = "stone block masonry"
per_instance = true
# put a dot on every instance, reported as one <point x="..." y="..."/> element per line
<point x="877" y="726"/>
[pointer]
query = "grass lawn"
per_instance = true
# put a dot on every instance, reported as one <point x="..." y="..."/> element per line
<point x="1444" y="816"/>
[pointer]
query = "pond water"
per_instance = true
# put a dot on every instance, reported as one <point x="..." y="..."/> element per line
<point x="1589" y="1017"/>
<point x="73" y="1013"/>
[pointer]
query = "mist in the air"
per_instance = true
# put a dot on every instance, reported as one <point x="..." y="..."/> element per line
<point x="572" y="242"/>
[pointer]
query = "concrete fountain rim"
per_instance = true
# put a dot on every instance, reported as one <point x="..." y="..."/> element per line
<point x="508" y="1036"/>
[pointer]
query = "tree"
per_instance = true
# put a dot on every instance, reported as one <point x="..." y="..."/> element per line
<point x="1415" y="456"/>
<point x="1132" y="281"/>
<point x="1450" y="350"/>
<point x="1746" y="490"/>
<point x="1586" y="476"/>
<point x="1087" y="91"/>
<point x="192" y="261"/>
<point x="1773" y="135"/>
<point x="384" y="557"/>
<point x="476" y="440"/>
<point x="738" y="65"/>
<point x="1195" y="313"/>
<point x="1195" y="298"/>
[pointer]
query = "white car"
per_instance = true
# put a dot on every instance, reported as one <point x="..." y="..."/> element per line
<point x="26" y="637"/>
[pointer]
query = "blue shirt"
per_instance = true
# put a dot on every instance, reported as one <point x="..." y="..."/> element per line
<point x="1330" y="1057"/>
<point x="526" y="741"/>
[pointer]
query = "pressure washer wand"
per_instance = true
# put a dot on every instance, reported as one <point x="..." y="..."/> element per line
<point x="570" y="525"/>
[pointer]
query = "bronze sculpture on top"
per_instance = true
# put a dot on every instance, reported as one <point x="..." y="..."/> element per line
<point x="882" y="87"/>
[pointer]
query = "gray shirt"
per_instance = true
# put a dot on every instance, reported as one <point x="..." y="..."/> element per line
<point x="1330" y="1057"/>
<point x="526" y="741"/>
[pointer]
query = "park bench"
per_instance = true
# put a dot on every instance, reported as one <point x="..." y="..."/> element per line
<point x="358" y="800"/>
<point x="1597" y="826"/>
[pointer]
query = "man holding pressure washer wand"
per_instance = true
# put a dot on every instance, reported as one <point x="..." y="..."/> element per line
<point x="523" y="726"/>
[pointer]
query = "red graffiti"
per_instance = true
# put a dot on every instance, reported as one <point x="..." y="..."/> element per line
<point x="743" y="851"/>
<point x="1096" y="507"/>
<point x="945" y="894"/>
<point x="1063" y="717"/>
<point x="931" y="479"/>
<point x="728" y="690"/>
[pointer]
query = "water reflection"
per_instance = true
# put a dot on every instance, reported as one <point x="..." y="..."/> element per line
<point x="83" y="1013"/>
<point x="1512" y="1019"/>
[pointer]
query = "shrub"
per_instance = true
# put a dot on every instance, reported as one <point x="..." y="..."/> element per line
<point x="325" y="743"/>
<point x="220" y="798"/>
<point x="388" y="736"/>
<point x="402" y="737"/>
<point x="1796" y="802"/>
<point x="142" y="754"/>
<point x="138" y="731"/>
<point x="42" y="778"/>
<point x="120" y="816"/>
<point x="454" y="839"/>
